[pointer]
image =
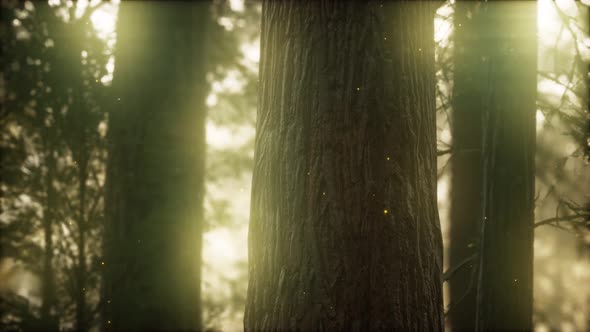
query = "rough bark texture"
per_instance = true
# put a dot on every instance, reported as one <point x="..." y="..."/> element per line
<point x="505" y="289"/>
<point x="344" y="229"/>
<point x="155" y="170"/>
<point x="468" y="87"/>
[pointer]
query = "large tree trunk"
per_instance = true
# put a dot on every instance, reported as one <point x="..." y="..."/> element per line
<point x="344" y="229"/>
<point x="508" y="75"/>
<point x="155" y="176"/>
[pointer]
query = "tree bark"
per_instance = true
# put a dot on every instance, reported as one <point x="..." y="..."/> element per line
<point x="508" y="75"/>
<point x="468" y="87"/>
<point x="344" y="229"/>
<point x="155" y="172"/>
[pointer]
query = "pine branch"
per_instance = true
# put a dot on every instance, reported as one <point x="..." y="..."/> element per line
<point x="571" y="219"/>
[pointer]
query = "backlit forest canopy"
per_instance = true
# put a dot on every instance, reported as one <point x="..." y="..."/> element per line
<point x="231" y="165"/>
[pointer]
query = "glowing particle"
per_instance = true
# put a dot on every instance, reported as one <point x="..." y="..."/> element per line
<point x="108" y="321"/>
<point x="385" y="211"/>
<point x="387" y="157"/>
<point x="324" y="193"/>
<point x="358" y="89"/>
<point x="419" y="50"/>
<point x="101" y="263"/>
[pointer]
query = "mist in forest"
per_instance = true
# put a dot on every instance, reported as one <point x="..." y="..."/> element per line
<point x="235" y="165"/>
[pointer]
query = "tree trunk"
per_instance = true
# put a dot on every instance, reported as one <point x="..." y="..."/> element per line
<point x="468" y="87"/>
<point x="508" y="75"/>
<point x="48" y="289"/>
<point x="344" y="229"/>
<point x="81" y="269"/>
<point x="155" y="172"/>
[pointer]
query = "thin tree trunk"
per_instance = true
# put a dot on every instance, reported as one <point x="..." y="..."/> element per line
<point x="49" y="321"/>
<point x="505" y="285"/>
<point x="48" y="290"/>
<point x="81" y="270"/>
<point x="155" y="172"/>
<point x="344" y="230"/>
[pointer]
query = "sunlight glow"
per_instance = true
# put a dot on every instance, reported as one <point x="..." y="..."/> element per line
<point x="226" y="23"/>
<point x="219" y="244"/>
<point x="443" y="24"/>
<point x="540" y="117"/>
<point x="251" y="55"/>
<point x="569" y="7"/>
<point x="580" y="270"/>
<point x="445" y="136"/>
<point x="543" y="247"/>
<point x="15" y="277"/>
<point x="110" y="67"/>
<point x="104" y="20"/>
<point x="552" y="90"/>
<point x="233" y="82"/>
<point x="236" y="5"/>
<point x="442" y="189"/>
<point x="223" y="137"/>
<point x="548" y="23"/>
<point x="211" y="100"/>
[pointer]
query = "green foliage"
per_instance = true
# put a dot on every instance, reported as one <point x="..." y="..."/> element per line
<point x="54" y="151"/>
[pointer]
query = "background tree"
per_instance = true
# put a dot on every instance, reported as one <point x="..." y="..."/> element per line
<point x="559" y="177"/>
<point x="344" y="228"/>
<point x="508" y="95"/>
<point x="65" y="48"/>
<point x="155" y="172"/>
<point x="466" y="184"/>
<point x="53" y="155"/>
